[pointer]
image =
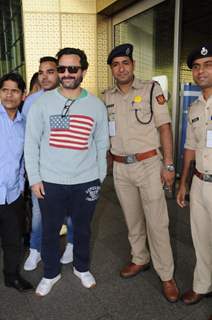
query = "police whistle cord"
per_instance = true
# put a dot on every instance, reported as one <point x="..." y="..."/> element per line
<point x="151" y="110"/>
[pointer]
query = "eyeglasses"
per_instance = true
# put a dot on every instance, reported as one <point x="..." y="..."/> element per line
<point x="66" y="107"/>
<point x="71" y="69"/>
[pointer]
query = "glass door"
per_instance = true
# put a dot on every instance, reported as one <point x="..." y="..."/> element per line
<point x="152" y="34"/>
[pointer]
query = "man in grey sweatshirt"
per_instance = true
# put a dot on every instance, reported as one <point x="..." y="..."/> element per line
<point x="65" y="154"/>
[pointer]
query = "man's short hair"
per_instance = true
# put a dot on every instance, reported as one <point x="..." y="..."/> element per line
<point x="16" y="77"/>
<point x="48" y="59"/>
<point x="83" y="58"/>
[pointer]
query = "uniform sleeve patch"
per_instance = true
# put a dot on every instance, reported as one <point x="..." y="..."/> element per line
<point x="161" y="99"/>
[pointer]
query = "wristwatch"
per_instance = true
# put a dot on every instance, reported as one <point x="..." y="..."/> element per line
<point x="169" y="167"/>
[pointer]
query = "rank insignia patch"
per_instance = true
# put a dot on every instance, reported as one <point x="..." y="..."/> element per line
<point x="109" y="105"/>
<point x="195" y="119"/>
<point x="161" y="99"/>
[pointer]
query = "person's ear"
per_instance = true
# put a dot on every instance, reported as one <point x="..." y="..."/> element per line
<point x="84" y="73"/>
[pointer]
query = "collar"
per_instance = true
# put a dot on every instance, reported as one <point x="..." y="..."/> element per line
<point x="83" y="93"/>
<point x="136" y="84"/>
<point x="18" y="117"/>
<point x="202" y="99"/>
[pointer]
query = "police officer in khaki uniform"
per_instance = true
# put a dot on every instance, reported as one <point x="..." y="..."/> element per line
<point x="198" y="147"/>
<point x="139" y="122"/>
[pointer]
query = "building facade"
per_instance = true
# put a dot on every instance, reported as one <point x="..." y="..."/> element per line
<point x="162" y="32"/>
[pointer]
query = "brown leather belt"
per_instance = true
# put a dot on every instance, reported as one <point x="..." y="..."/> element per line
<point x="131" y="158"/>
<point x="203" y="176"/>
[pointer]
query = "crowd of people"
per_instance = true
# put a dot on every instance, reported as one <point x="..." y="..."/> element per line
<point x="61" y="142"/>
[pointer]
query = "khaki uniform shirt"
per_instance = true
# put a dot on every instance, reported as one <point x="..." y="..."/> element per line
<point x="130" y="135"/>
<point x="198" y="132"/>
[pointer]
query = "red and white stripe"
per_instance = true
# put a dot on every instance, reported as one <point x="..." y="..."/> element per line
<point x="76" y="137"/>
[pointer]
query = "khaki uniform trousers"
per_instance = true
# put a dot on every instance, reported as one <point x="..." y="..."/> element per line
<point x="201" y="228"/>
<point x="140" y="192"/>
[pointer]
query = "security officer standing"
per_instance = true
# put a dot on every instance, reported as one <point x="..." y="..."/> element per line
<point x="198" y="147"/>
<point x="138" y="120"/>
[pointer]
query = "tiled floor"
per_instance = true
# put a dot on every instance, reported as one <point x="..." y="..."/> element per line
<point x="138" y="298"/>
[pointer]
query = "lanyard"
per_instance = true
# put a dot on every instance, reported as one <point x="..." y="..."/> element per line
<point x="151" y="109"/>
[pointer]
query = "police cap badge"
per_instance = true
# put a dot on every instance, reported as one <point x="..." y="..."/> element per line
<point x="125" y="49"/>
<point x="202" y="51"/>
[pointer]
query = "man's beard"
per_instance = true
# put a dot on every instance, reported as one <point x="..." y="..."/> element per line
<point x="128" y="80"/>
<point x="73" y="85"/>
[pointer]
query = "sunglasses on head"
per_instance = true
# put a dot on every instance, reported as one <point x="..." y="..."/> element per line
<point x="71" y="69"/>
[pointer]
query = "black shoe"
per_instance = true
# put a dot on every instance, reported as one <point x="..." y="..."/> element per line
<point x="19" y="284"/>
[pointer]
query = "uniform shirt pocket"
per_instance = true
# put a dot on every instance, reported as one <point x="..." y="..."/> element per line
<point x="142" y="112"/>
<point x="197" y="127"/>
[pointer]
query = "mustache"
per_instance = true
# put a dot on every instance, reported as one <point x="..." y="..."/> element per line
<point x="70" y="77"/>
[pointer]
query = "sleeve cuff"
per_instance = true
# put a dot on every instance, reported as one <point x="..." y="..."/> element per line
<point x="33" y="180"/>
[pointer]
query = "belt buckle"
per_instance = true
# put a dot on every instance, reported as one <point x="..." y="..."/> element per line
<point x="207" y="177"/>
<point x="131" y="158"/>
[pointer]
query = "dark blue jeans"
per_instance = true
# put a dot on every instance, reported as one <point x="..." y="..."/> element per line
<point x="35" y="237"/>
<point x="77" y="200"/>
